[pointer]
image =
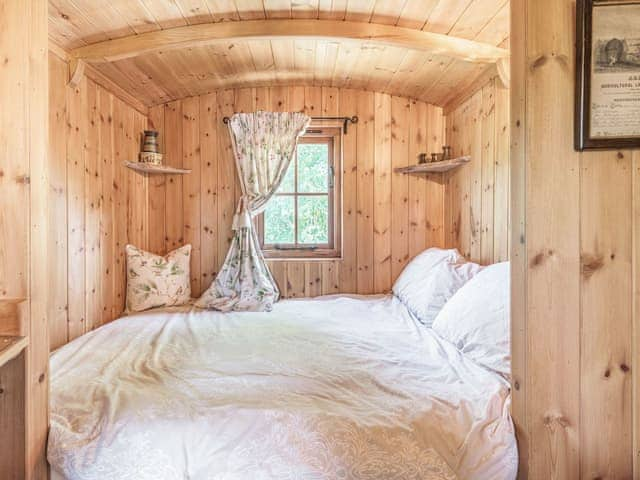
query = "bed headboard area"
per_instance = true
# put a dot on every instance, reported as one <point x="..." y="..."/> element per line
<point x="387" y="218"/>
<point x="100" y="206"/>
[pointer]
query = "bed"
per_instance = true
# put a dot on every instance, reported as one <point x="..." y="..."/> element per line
<point x="337" y="387"/>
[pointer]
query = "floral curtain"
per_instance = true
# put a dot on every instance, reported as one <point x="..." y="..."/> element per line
<point x="263" y="145"/>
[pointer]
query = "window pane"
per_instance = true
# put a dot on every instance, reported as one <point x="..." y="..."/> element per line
<point x="278" y="220"/>
<point x="289" y="180"/>
<point x="313" y="167"/>
<point x="313" y="219"/>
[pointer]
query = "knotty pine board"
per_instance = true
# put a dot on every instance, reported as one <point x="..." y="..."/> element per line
<point x="174" y="74"/>
<point x="96" y="205"/>
<point x="574" y="247"/>
<point x="477" y="194"/>
<point x="371" y="192"/>
<point x="24" y="234"/>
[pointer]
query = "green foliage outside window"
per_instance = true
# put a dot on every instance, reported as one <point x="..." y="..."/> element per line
<point x="312" y="165"/>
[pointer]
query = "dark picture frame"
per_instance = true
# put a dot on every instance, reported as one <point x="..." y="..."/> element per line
<point x="584" y="95"/>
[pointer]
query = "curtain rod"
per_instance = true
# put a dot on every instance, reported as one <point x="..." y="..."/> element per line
<point x="345" y="120"/>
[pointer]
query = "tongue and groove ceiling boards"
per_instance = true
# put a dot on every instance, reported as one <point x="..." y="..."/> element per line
<point x="367" y="57"/>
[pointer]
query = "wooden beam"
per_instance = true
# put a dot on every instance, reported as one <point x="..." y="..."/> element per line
<point x="503" y="70"/>
<point x="76" y="71"/>
<point x="210" y="33"/>
<point x="101" y="79"/>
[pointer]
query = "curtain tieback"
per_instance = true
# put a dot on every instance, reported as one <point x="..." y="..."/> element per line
<point x="242" y="217"/>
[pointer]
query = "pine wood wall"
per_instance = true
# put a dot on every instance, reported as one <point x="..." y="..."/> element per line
<point x="575" y="268"/>
<point x="23" y="225"/>
<point x="96" y="205"/>
<point x="387" y="217"/>
<point x="477" y="194"/>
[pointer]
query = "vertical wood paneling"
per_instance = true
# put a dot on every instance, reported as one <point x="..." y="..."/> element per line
<point x="137" y="209"/>
<point x="473" y="130"/>
<point x="77" y="132"/>
<point x="120" y="220"/>
<point x="209" y="179"/>
<point x="14" y="153"/>
<point x="174" y="211"/>
<point x="574" y="251"/>
<point x="107" y="210"/>
<point x="477" y="194"/>
<point x="26" y="237"/>
<point x="57" y="157"/>
<point x="34" y="23"/>
<point x="606" y="254"/>
<point x="370" y="151"/>
<point x="487" y="132"/>
<point x="553" y="246"/>
<point x="157" y="188"/>
<point x="226" y="173"/>
<point x="517" y="231"/>
<point x="501" y="199"/>
<point x="296" y="285"/>
<point x="400" y="109"/>
<point x="417" y="183"/>
<point x="435" y="184"/>
<point x="312" y="279"/>
<point x="365" y="184"/>
<point x="382" y="194"/>
<point x="92" y="208"/>
<point x="191" y="185"/>
<point x="96" y="205"/>
<point x="349" y="266"/>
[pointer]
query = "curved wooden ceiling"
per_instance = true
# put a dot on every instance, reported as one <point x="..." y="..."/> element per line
<point x="162" y="76"/>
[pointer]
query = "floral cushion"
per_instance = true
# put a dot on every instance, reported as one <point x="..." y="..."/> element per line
<point x="156" y="281"/>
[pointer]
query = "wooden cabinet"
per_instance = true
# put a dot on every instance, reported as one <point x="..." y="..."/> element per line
<point x="12" y="406"/>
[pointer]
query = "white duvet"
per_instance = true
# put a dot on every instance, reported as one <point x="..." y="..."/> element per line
<point x="334" y="388"/>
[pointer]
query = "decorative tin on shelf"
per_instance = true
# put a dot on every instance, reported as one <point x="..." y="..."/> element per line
<point x="150" y="143"/>
<point x="150" y="152"/>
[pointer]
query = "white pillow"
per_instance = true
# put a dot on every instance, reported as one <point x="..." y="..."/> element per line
<point x="430" y="279"/>
<point x="157" y="281"/>
<point x="477" y="319"/>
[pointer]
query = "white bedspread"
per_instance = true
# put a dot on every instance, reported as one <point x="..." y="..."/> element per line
<point x="334" y="388"/>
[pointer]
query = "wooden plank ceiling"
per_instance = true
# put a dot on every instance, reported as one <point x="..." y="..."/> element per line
<point x="164" y="76"/>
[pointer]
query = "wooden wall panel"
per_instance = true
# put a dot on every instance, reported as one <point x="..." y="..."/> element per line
<point x="382" y="194"/>
<point x="606" y="251"/>
<point x="385" y="137"/>
<point x="575" y="266"/>
<point x="57" y="155"/>
<point x="365" y="186"/>
<point x="400" y="109"/>
<point x="24" y="233"/>
<point x="96" y="205"/>
<point x="34" y="23"/>
<point x="477" y="194"/>
<point x="348" y="266"/>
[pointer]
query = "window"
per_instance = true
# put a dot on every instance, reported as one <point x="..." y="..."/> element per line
<point x="302" y="219"/>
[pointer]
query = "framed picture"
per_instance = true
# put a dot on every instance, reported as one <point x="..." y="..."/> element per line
<point x="607" y="114"/>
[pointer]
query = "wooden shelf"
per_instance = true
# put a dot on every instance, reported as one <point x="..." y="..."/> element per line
<point x="434" y="167"/>
<point x="10" y="347"/>
<point x="155" y="169"/>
